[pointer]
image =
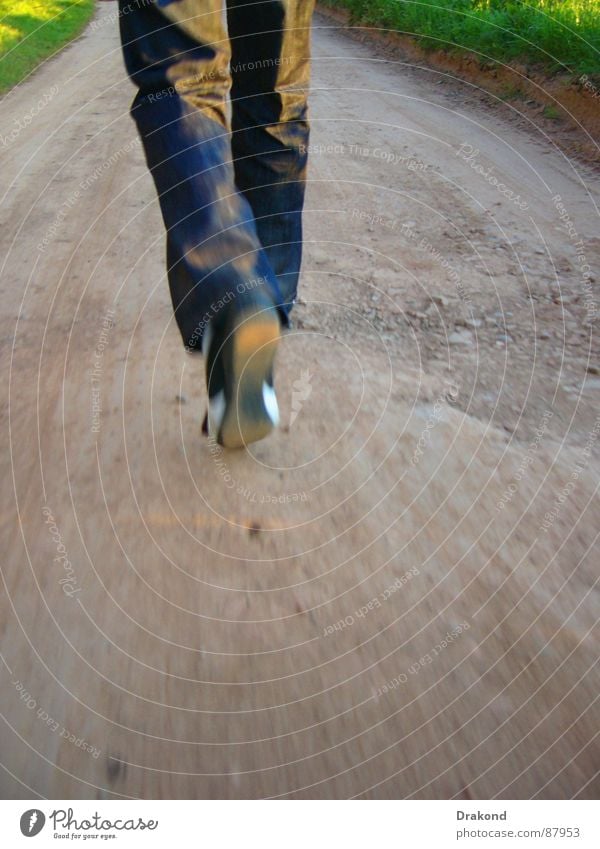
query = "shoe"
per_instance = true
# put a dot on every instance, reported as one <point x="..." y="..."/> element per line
<point x="239" y="347"/>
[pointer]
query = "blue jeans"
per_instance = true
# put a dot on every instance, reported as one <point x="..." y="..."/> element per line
<point x="230" y="193"/>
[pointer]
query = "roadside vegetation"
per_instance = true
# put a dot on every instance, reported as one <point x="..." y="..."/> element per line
<point x="32" y="30"/>
<point x="556" y="35"/>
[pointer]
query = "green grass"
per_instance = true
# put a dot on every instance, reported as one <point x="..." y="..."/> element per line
<point x="32" y="30"/>
<point x="551" y="112"/>
<point x="557" y="35"/>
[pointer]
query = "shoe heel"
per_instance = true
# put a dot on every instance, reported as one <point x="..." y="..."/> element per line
<point x="249" y="417"/>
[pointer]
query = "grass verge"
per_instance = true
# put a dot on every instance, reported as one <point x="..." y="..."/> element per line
<point x="32" y="30"/>
<point x="560" y="36"/>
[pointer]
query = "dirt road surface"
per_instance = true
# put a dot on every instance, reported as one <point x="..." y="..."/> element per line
<point x="395" y="595"/>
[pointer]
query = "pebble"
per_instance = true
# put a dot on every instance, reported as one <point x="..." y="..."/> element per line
<point x="460" y="338"/>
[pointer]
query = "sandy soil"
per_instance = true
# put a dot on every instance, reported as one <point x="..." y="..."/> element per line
<point x="395" y="595"/>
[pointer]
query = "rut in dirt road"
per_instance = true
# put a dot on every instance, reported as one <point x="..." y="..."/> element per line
<point x="393" y="596"/>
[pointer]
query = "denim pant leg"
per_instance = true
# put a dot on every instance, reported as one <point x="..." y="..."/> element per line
<point x="177" y="53"/>
<point x="270" y="45"/>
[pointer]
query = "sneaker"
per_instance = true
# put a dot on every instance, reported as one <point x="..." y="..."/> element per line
<point x="239" y="347"/>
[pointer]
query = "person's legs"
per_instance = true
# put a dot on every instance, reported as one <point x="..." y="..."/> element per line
<point x="270" y="46"/>
<point x="177" y="53"/>
<point x="224" y="285"/>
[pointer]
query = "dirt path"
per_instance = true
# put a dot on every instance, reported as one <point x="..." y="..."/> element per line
<point x="396" y="594"/>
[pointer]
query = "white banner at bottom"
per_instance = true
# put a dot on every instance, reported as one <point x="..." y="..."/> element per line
<point x="302" y="824"/>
